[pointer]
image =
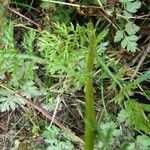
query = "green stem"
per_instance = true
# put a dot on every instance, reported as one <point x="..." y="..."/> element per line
<point x="89" y="94"/>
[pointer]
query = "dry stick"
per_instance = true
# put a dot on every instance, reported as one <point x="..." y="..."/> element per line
<point x="94" y="7"/>
<point x="55" y="110"/>
<point x="75" y="5"/>
<point x="103" y="13"/>
<point x="140" y="62"/>
<point x="19" y="14"/>
<point x="45" y="113"/>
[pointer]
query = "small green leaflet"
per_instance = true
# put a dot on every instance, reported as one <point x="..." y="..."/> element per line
<point x="144" y="77"/>
<point x="132" y="7"/>
<point x="131" y="28"/>
<point x="8" y="100"/>
<point x="129" y="42"/>
<point x="143" y="142"/>
<point x="119" y="36"/>
<point x="46" y="4"/>
<point x="28" y="41"/>
<point x="31" y="91"/>
<point x="126" y="13"/>
<point x="102" y="35"/>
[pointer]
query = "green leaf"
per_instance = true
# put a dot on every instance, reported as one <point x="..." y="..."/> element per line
<point x="119" y="36"/>
<point x="57" y="139"/>
<point x="126" y="13"/>
<point x="8" y="101"/>
<point x="102" y="35"/>
<point x="31" y="91"/>
<point x="28" y="41"/>
<point x="131" y="28"/>
<point x="46" y="5"/>
<point x="132" y="46"/>
<point x="143" y="142"/>
<point x="136" y="116"/>
<point x="144" y="77"/>
<point x="129" y="42"/>
<point x="133" y="6"/>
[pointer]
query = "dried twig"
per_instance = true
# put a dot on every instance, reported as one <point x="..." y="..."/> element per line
<point x="141" y="61"/>
<point x="19" y="14"/>
<point x="75" y="5"/>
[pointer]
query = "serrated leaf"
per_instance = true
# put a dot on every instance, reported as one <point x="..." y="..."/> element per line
<point x="45" y="5"/>
<point x="127" y="14"/>
<point x="137" y="116"/>
<point x="102" y="35"/>
<point x="102" y="47"/>
<point x="119" y="36"/>
<point x="144" y="77"/>
<point x="143" y="142"/>
<point x="131" y="28"/>
<point x="132" y="7"/>
<point x="124" y="42"/>
<point x="122" y="116"/>
<point x="8" y="101"/>
<point x="143" y="139"/>
<point x="28" y="41"/>
<point x="133" y="38"/>
<point x="129" y="42"/>
<point x="31" y="91"/>
<point x="132" y="46"/>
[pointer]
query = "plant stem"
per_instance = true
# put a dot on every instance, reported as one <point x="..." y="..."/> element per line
<point x="89" y="94"/>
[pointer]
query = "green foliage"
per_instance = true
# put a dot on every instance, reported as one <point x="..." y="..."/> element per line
<point x="8" y="100"/>
<point x="131" y="6"/>
<point x="131" y="28"/>
<point x="126" y="35"/>
<point x="61" y="53"/>
<point x="119" y="36"/>
<point x="125" y="92"/>
<point x="63" y="15"/>
<point x="128" y="41"/>
<point x="111" y="137"/>
<point x="57" y="139"/>
<point x="107" y="134"/>
<point x="65" y="52"/>
<point x="28" y="40"/>
<point x="144" y="77"/>
<point x="20" y="69"/>
<point x="143" y="142"/>
<point x="31" y="91"/>
<point x="134" y="115"/>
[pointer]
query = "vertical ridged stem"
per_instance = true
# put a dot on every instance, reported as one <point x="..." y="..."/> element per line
<point x="89" y="94"/>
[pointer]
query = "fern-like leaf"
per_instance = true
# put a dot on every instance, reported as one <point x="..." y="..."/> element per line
<point x="8" y="101"/>
<point x="136" y="117"/>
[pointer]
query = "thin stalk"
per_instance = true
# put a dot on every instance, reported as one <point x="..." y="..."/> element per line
<point x="103" y="100"/>
<point x="89" y="94"/>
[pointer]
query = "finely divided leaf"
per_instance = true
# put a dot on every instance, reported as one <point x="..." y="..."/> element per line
<point x="31" y="91"/>
<point x="8" y="101"/>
